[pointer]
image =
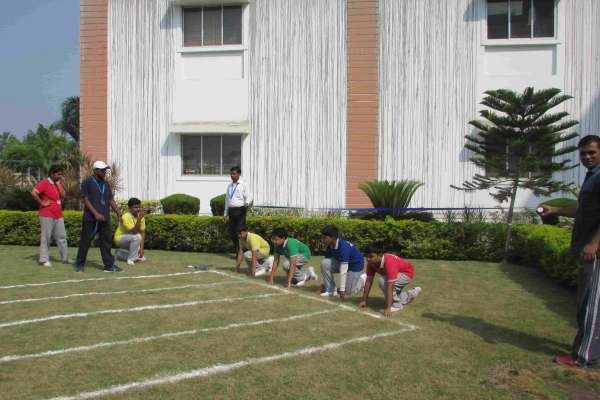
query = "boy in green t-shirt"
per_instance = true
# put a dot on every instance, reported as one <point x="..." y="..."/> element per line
<point x="297" y="255"/>
<point x="255" y="250"/>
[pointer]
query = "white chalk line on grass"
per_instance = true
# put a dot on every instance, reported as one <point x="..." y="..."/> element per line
<point x="224" y="368"/>
<point x="101" y="279"/>
<point x="80" y="349"/>
<point x="68" y="296"/>
<point x="135" y="309"/>
<point x="315" y="298"/>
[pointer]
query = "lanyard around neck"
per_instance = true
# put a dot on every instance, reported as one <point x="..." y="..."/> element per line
<point x="233" y="191"/>
<point x="101" y="188"/>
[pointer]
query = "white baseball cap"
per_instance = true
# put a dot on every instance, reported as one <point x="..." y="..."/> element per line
<point x="100" y="165"/>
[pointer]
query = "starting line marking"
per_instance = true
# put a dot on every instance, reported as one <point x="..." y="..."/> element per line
<point x="135" y="309"/>
<point x="80" y="349"/>
<point x="118" y="292"/>
<point x="224" y="368"/>
<point x="101" y="279"/>
<point x="319" y="299"/>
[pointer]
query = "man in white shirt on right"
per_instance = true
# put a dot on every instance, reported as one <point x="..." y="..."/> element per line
<point x="237" y="200"/>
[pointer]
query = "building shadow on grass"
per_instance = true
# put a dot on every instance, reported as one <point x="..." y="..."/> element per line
<point x="557" y="298"/>
<point x="495" y="334"/>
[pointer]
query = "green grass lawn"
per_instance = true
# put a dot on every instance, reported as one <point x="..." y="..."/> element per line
<point x="483" y="331"/>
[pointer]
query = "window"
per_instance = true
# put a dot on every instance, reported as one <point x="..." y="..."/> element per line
<point x="212" y="26"/>
<point x="520" y="19"/>
<point x="210" y="154"/>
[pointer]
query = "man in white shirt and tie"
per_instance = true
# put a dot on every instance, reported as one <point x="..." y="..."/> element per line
<point x="237" y="200"/>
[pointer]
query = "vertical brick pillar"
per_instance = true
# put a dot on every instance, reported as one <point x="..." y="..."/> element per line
<point x="93" y="115"/>
<point x="363" y="98"/>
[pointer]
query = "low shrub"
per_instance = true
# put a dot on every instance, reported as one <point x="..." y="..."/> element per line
<point x="217" y="205"/>
<point x="180" y="204"/>
<point x="548" y="248"/>
<point x="18" y="199"/>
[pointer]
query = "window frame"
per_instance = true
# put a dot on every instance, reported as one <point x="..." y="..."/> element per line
<point x="522" y="41"/>
<point x="201" y="135"/>
<point x="202" y="46"/>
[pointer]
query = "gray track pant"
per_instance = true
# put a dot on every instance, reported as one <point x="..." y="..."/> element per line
<point x="330" y="266"/>
<point x="299" y="275"/>
<point x="132" y="244"/>
<point x="586" y="346"/>
<point x="262" y="262"/>
<point x="53" y="228"/>
<point x="401" y="297"/>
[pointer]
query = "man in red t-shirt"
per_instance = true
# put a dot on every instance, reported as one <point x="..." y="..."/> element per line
<point x="396" y="273"/>
<point x="49" y="194"/>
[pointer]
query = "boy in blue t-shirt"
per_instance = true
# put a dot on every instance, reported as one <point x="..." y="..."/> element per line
<point x="344" y="258"/>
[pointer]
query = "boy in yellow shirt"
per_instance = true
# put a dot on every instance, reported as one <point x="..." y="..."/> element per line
<point x="256" y="251"/>
<point x="131" y="233"/>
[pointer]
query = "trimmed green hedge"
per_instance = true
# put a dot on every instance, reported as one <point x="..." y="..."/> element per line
<point x="180" y="204"/>
<point x="542" y="246"/>
<point x="548" y="248"/>
<point x="217" y="205"/>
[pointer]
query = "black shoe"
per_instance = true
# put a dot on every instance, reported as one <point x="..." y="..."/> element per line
<point x="114" y="268"/>
<point x="78" y="268"/>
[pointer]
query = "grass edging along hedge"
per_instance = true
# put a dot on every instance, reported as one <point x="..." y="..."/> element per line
<point x="546" y="247"/>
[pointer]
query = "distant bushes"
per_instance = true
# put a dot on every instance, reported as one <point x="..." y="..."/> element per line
<point x="180" y="204"/>
<point x="217" y="205"/>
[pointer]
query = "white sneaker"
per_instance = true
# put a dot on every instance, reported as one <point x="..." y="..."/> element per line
<point x="414" y="292"/>
<point x="130" y="262"/>
<point x="140" y="259"/>
<point x="47" y="264"/>
<point x="68" y="261"/>
<point x="260" y="272"/>
<point x="326" y="294"/>
<point x="301" y="283"/>
<point x="396" y="308"/>
<point x="312" y="275"/>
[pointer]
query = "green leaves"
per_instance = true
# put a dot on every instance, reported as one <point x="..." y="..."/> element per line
<point x="518" y="140"/>
<point x="390" y="194"/>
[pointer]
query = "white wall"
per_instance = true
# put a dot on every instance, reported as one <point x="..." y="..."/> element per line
<point x="286" y="94"/>
<point x="211" y="83"/>
<point x="433" y="76"/>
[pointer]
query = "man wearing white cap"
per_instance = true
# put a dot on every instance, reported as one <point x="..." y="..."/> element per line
<point x="98" y="200"/>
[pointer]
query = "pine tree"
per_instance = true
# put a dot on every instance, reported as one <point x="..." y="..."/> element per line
<point x="516" y="144"/>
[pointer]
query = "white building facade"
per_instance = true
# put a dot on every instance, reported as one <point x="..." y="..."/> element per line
<point x="311" y="97"/>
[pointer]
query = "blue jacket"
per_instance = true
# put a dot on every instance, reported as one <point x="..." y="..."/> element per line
<point x="344" y="251"/>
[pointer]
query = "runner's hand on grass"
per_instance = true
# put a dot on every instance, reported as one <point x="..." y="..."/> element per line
<point x="362" y="304"/>
<point x="342" y="295"/>
<point x="387" y="312"/>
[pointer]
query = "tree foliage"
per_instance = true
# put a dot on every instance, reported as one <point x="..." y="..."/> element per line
<point x="519" y="142"/>
<point x="390" y="194"/>
<point x="69" y="121"/>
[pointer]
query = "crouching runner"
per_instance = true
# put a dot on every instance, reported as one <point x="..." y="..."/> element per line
<point x="131" y="233"/>
<point x="396" y="273"/>
<point x="256" y="251"/>
<point x="297" y="255"/>
<point x="344" y="258"/>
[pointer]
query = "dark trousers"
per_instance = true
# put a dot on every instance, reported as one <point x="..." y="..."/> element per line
<point x="89" y="230"/>
<point x="586" y="346"/>
<point x="237" y="218"/>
